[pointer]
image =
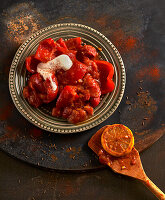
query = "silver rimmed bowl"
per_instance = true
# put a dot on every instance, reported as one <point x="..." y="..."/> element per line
<point x="41" y="117"/>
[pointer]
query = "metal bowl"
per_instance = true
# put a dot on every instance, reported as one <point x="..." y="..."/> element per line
<point x="41" y="117"/>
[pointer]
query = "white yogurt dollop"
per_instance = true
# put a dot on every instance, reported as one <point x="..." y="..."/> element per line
<point x="46" y="70"/>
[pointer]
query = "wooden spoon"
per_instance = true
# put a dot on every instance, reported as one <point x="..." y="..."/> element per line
<point x="129" y="165"/>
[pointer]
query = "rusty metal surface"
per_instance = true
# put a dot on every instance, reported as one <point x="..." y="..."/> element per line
<point x="137" y="29"/>
<point x="137" y="33"/>
<point x="138" y="38"/>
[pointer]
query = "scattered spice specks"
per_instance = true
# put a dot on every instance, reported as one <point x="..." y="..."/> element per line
<point x="73" y="152"/>
<point x="21" y="20"/>
<point x="140" y="109"/>
<point x="149" y="72"/>
<point x="53" y="157"/>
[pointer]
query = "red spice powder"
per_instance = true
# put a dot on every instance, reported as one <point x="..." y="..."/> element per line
<point x="130" y="43"/>
<point x="123" y="42"/>
<point x="102" y="21"/>
<point x="151" y="72"/>
<point x="20" y="27"/>
<point x="155" y="73"/>
<point x="116" y="23"/>
<point x="21" y="20"/>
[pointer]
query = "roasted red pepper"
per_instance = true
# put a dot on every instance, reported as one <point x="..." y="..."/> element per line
<point x="40" y="91"/>
<point x="74" y="43"/>
<point x="46" y="50"/>
<point x="95" y="101"/>
<point x="62" y="43"/>
<point x="67" y="96"/>
<point x="92" y="85"/>
<point x="31" y="64"/>
<point x="87" y="51"/>
<point x="92" y="68"/>
<point x="106" y="70"/>
<point x="76" y="72"/>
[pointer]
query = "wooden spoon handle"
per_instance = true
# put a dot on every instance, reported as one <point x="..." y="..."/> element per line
<point x="153" y="188"/>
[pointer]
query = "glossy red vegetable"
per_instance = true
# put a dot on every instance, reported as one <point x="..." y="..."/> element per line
<point x="62" y="43"/>
<point x="92" y="85"/>
<point x="95" y="101"/>
<point x="106" y="71"/>
<point x="76" y="72"/>
<point x="74" y="43"/>
<point x="67" y="96"/>
<point x="92" y="68"/>
<point x="87" y="51"/>
<point x="31" y="64"/>
<point x="78" y="89"/>
<point x="39" y="91"/>
<point x="46" y="50"/>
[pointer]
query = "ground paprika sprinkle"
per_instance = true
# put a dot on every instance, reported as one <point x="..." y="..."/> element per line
<point x="151" y="72"/>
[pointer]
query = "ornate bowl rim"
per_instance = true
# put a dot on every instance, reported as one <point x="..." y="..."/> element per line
<point x="65" y="127"/>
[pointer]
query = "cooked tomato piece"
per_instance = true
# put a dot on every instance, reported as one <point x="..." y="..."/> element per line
<point x="67" y="112"/>
<point x="39" y="90"/>
<point x="84" y="94"/>
<point x="26" y="92"/>
<point x="59" y="51"/>
<point x="56" y="112"/>
<point x="76" y="72"/>
<point x="87" y="51"/>
<point x="106" y="70"/>
<point x="92" y="68"/>
<point x="51" y="93"/>
<point x="88" y="109"/>
<point x="36" y="83"/>
<point x="32" y="97"/>
<point x="67" y="96"/>
<point x="61" y="42"/>
<point x="31" y="64"/>
<point x="72" y="54"/>
<point x="73" y="43"/>
<point x="70" y="105"/>
<point x="46" y="50"/>
<point x="95" y="101"/>
<point x="77" y="115"/>
<point x="92" y="85"/>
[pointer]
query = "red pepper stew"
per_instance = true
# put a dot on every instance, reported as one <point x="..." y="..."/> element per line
<point x="79" y="88"/>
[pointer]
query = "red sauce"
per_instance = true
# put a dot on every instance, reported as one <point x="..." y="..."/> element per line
<point x="79" y="88"/>
<point x="105" y="158"/>
<point x="125" y="162"/>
